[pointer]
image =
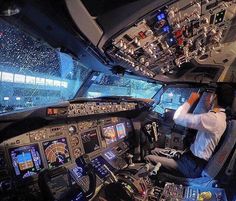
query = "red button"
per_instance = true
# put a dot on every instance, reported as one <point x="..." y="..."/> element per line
<point x="180" y="41"/>
<point x="178" y="33"/>
<point x="142" y="34"/>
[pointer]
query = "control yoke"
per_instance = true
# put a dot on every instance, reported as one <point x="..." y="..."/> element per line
<point x="89" y="171"/>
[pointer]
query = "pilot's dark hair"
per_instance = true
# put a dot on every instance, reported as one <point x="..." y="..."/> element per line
<point x="225" y="95"/>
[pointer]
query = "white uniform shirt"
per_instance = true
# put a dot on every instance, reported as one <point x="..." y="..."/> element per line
<point x="210" y="126"/>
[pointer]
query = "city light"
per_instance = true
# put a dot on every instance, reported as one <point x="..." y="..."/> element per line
<point x="7" y="77"/>
<point x="30" y="80"/>
<point x="40" y="81"/>
<point x="56" y="83"/>
<point x="49" y="82"/>
<point x="6" y="98"/>
<point x="64" y="84"/>
<point x="26" y="79"/>
<point x="18" y="98"/>
<point x="19" y="78"/>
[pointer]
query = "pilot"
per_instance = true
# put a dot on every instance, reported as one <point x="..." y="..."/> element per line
<point x="210" y="126"/>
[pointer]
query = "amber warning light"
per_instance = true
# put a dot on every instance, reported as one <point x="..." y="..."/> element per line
<point x="56" y="111"/>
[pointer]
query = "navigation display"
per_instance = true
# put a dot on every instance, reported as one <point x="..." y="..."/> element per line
<point x="26" y="160"/>
<point x="121" y="132"/>
<point x="90" y="141"/>
<point x="109" y="134"/>
<point x="56" y="152"/>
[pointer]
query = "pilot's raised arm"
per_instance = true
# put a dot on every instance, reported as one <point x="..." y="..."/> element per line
<point x="203" y="122"/>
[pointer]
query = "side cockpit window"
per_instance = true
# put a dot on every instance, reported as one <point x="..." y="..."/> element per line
<point x="172" y="98"/>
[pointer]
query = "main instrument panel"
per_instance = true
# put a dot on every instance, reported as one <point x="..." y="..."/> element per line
<point x="161" y="42"/>
<point x="60" y="145"/>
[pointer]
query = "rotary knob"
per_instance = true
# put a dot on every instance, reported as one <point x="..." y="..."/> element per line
<point x="205" y="20"/>
<point x="77" y="152"/>
<point x="147" y="63"/>
<point x="142" y="60"/>
<point x="171" y="14"/>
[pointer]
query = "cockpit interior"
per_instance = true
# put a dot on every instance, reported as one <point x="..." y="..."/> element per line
<point x="88" y="89"/>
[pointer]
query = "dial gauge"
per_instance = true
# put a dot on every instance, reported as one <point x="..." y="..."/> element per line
<point x="72" y="129"/>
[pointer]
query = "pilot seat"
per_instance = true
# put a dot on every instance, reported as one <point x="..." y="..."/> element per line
<point x="218" y="163"/>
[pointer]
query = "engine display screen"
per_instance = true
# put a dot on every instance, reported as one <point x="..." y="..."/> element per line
<point x="26" y="160"/>
<point x="56" y="152"/>
<point x="109" y="134"/>
<point x="121" y="132"/>
<point x="90" y="141"/>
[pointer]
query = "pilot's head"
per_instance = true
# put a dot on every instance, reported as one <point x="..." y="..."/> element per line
<point x="225" y="95"/>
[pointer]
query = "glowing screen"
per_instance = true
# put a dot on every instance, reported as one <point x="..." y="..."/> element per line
<point x="56" y="152"/>
<point x="121" y="132"/>
<point x="109" y="134"/>
<point x="90" y="141"/>
<point x="26" y="160"/>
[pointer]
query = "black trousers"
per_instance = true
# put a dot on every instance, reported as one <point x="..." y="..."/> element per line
<point x="190" y="166"/>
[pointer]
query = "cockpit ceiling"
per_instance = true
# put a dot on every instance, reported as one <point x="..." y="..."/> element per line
<point x="193" y="39"/>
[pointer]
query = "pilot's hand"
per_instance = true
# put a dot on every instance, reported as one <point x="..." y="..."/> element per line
<point x="157" y="151"/>
<point x="193" y="98"/>
<point x="153" y="159"/>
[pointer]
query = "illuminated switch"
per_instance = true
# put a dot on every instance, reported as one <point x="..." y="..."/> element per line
<point x="142" y="34"/>
<point x="50" y="111"/>
<point x="219" y="17"/>
<point x="178" y="33"/>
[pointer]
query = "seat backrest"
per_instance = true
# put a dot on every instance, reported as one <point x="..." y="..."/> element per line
<point x="218" y="160"/>
<point x="232" y="111"/>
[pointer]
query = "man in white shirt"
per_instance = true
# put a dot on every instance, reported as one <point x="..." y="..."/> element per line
<point x="210" y="126"/>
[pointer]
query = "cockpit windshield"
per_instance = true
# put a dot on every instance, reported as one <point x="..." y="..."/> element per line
<point x="111" y="85"/>
<point x="34" y="74"/>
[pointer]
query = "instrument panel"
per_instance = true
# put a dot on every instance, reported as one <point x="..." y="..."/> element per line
<point x="159" y="43"/>
<point x="60" y="145"/>
<point x="91" y="108"/>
